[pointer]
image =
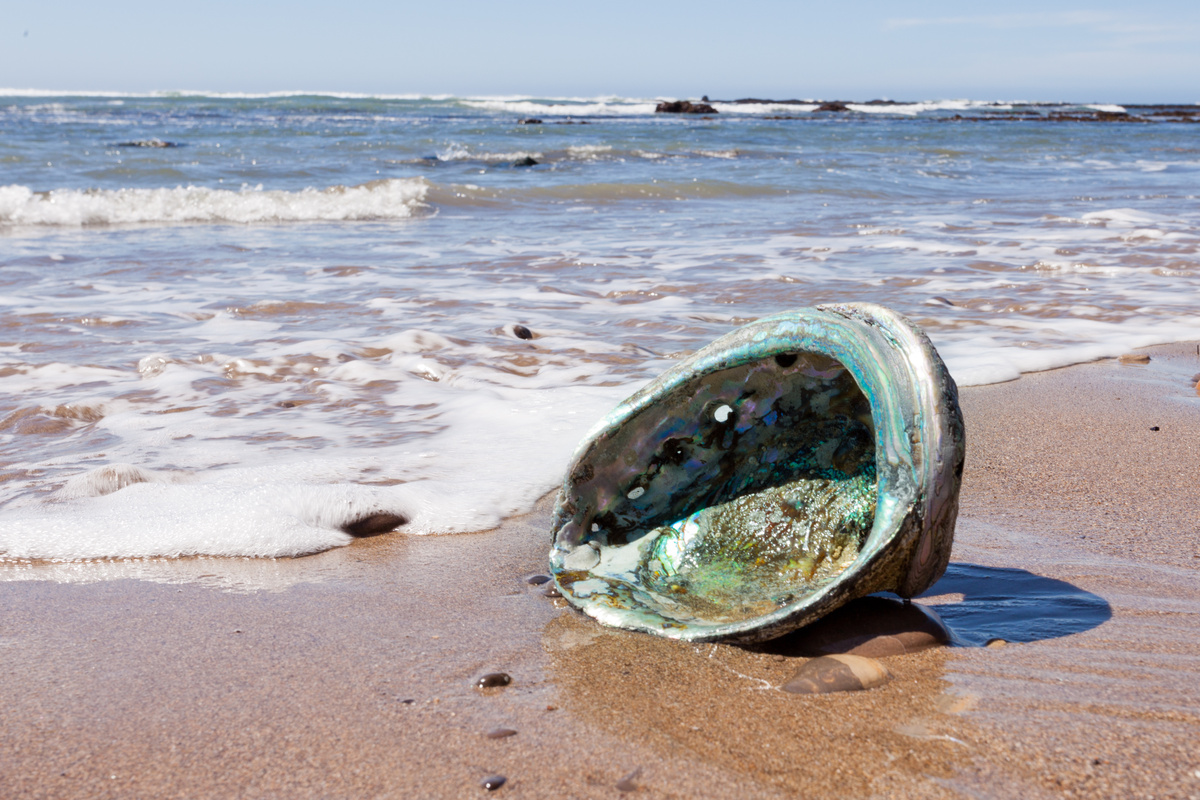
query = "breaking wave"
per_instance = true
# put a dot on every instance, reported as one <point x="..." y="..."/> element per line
<point x="388" y="199"/>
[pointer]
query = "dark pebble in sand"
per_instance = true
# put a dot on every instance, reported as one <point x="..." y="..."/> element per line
<point x="537" y="580"/>
<point x="375" y="524"/>
<point x="837" y="674"/>
<point x="501" y="733"/>
<point x="521" y="332"/>
<point x="627" y="784"/>
<point x="1154" y="427"/>
<point x="874" y="627"/>
<point x="493" y="680"/>
<point x="493" y="782"/>
<point x="551" y="590"/>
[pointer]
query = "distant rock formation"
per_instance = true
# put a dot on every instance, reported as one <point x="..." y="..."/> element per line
<point x="836" y="105"/>
<point x="684" y="107"/>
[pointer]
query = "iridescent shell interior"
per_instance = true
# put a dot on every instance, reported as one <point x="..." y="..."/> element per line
<point x="738" y="487"/>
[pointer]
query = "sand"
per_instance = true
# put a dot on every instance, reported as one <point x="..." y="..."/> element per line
<point x="350" y="673"/>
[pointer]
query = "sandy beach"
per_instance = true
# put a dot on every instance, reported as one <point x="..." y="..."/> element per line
<point x="351" y="673"/>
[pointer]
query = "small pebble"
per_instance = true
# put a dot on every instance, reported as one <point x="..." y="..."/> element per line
<point x="1134" y="358"/>
<point x="552" y="591"/>
<point x="493" y="680"/>
<point x="537" y="580"/>
<point x="501" y="733"/>
<point x="493" y="782"/>
<point x="837" y="673"/>
<point x="521" y="332"/>
<point x="375" y="524"/>
<point x="627" y="784"/>
<point x="994" y="643"/>
<point x="1153" y="427"/>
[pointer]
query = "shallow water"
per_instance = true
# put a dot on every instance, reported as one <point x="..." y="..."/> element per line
<point x="304" y="312"/>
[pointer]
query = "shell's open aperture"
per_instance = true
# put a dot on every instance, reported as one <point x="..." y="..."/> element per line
<point x="797" y="463"/>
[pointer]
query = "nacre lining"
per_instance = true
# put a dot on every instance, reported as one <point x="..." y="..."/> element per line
<point x="792" y="465"/>
<point x="786" y="447"/>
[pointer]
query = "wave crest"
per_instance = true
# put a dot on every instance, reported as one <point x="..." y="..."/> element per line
<point x="394" y="198"/>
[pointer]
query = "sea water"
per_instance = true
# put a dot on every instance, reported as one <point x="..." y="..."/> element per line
<point x="233" y="324"/>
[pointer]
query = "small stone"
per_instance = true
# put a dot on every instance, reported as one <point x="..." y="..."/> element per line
<point x="521" y="332"/>
<point x="537" y="580"/>
<point x="493" y="680"/>
<point x="527" y="161"/>
<point x="501" y="733"/>
<point x="374" y="524"/>
<point x="839" y="673"/>
<point x="994" y="643"/>
<point x="1134" y="358"/>
<point x="493" y="782"/>
<point x="551" y="590"/>
<point x="1154" y="427"/>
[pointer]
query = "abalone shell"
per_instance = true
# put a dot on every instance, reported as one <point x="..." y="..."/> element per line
<point x="797" y="463"/>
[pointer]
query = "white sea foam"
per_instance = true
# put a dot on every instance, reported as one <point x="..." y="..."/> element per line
<point x="383" y="199"/>
<point x="764" y="109"/>
<point x="251" y="390"/>
<point x="532" y="108"/>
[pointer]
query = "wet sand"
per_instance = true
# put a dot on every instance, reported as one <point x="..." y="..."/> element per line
<point x="350" y="673"/>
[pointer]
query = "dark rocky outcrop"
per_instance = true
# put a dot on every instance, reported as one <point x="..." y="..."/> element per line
<point x="836" y="105"/>
<point x="148" y="143"/>
<point x="527" y="161"/>
<point x="530" y="121"/>
<point x="684" y="107"/>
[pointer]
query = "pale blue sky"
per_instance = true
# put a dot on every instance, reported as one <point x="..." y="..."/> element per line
<point x="1081" y="51"/>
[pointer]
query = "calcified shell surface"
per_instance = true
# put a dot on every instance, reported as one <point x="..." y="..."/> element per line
<point x="797" y="463"/>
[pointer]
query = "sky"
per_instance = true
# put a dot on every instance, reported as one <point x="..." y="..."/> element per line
<point x="1106" y="52"/>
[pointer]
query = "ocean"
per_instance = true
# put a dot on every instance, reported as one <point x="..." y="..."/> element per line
<point x="233" y="324"/>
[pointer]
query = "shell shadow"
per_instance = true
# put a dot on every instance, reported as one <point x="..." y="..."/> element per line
<point x="997" y="603"/>
<point x="1014" y="605"/>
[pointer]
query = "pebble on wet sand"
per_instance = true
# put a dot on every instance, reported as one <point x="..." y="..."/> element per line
<point x="537" y="580"/>
<point x="1134" y="358"/>
<point x="837" y="673"/>
<point x="493" y="680"/>
<point x="375" y="524"/>
<point x="493" y="782"/>
<point x="520" y="331"/>
<point x="501" y="733"/>
<point x="551" y="590"/>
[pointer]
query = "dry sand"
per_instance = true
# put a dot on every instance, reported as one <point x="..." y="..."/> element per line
<point x="350" y="673"/>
